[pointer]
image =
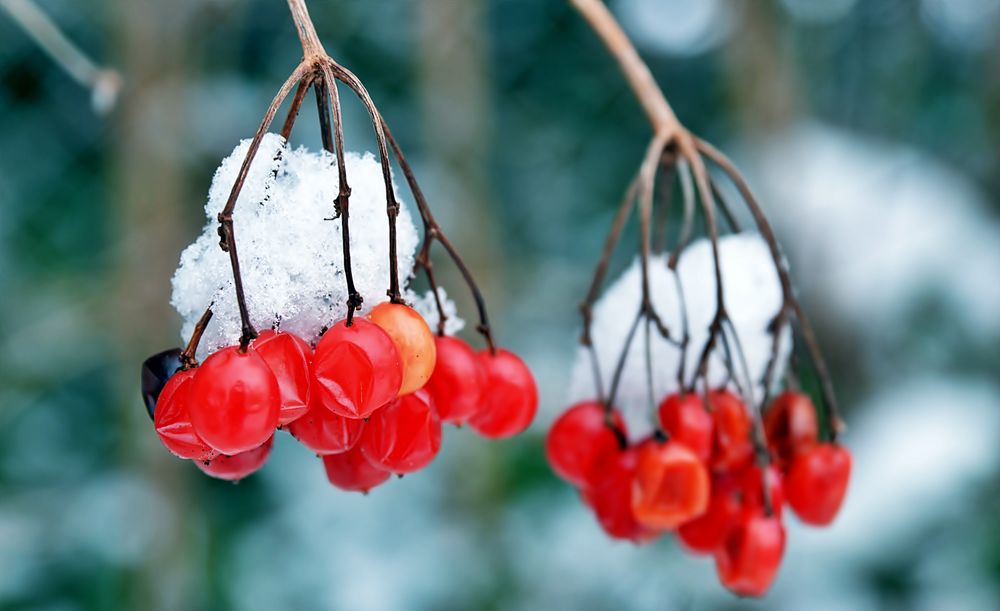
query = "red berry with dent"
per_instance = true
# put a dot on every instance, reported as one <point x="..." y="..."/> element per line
<point x="610" y="496"/>
<point x="457" y="382"/>
<point x="731" y="446"/>
<point x="510" y="398"/>
<point x="579" y="439"/>
<point x="817" y="483"/>
<point x="235" y="400"/>
<point x="413" y="339"/>
<point x="791" y="425"/>
<point x="325" y="432"/>
<point x="748" y="560"/>
<point x="686" y="421"/>
<point x="290" y="360"/>
<point x="353" y="472"/>
<point x="403" y="436"/>
<point x="172" y="419"/>
<point x="356" y="369"/>
<point x="238" y="466"/>
<point x="671" y="486"/>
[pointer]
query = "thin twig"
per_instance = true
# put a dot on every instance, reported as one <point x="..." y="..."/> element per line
<point x="104" y="83"/>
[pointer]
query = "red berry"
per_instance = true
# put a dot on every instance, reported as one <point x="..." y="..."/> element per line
<point x="731" y="446"/>
<point x="791" y="425"/>
<point x="357" y="369"/>
<point x="704" y="534"/>
<point x="290" y="360"/>
<point x="610" y="496"/>
<point x="173" y="419"/>
<point x="235" y="468"/>
<point x="671" y="485"/>
<point x="325" y="432"/>
<point x="413" y="339"/>
<point x="353" y="472"/>
<point x="403" y="436"/>
<point x="457" y="382"/>
<point x="686" y="421"/>
<point x="234" y="400"/>
<point x="579" y="439"/>
<point x="748" y="560"/>
<point x="751" y="481"/>
<point x="510" y="398"/>
<point x="817" y="482"/>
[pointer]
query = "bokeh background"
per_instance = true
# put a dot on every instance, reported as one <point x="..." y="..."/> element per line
<point x="868" y="127"/>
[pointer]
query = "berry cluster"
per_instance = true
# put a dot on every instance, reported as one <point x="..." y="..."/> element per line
<point x="370" y="399"/>
<point x="697" y="477"/>
<point x="368" y="394"/>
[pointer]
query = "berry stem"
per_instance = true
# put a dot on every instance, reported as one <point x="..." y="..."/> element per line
<point x="188" y="355"/>
<point x="311" y="45"/>
<point x="333" y="142"/>
<point x="227" y="232"/>
<point x="432" y="232"/>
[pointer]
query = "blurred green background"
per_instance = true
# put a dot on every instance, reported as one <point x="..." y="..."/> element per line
<point x="869" y="128"/>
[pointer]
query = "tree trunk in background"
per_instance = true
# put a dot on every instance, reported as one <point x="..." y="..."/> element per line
<point x="454" y="99"/>
<point x="149" y="188"/>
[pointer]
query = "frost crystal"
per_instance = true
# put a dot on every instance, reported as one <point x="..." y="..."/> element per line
<point x="290" y="249"/>
<point x="752" y="296"/>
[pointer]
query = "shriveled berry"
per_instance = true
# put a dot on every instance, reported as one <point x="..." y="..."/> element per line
<point x="457" y="382"/>
<point x="357" y="369"/>
<point x="579" y="438"/>
<point x="510" y="399"/>
<point x="234" y="401"/>
<point x="671" y="486"/>
<point x="413" y="339"/>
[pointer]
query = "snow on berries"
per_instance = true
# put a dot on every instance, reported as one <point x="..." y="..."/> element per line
<point x="299" y="315"/>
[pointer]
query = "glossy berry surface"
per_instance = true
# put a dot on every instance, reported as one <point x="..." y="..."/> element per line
<point x="404" y="436"/>
<point x="791" y="425"/>
<point x="236" y="467"/>
<point x="413" y="339"/>
<point x="353" y="472"/>
<point x="173" y="419"/>
<point x="816" y="483"/>
<point x="156" y="370"/>
<point x="610" y="496"/>
<point x="579" y="439"/>
<point x="234" y="401"/>
<point x="325" y="432"/>
<point x="753" y="481"/>
<point x="457" y="382"/>
<point x="731" y="446"/>
<point x="671" y="485"/>
<point x="356" y="369"/>
<point x="748" y="560"/>
<point x="686" y="421"/>
<point x="511" y="397"/>
<point x="290" y="360"/>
